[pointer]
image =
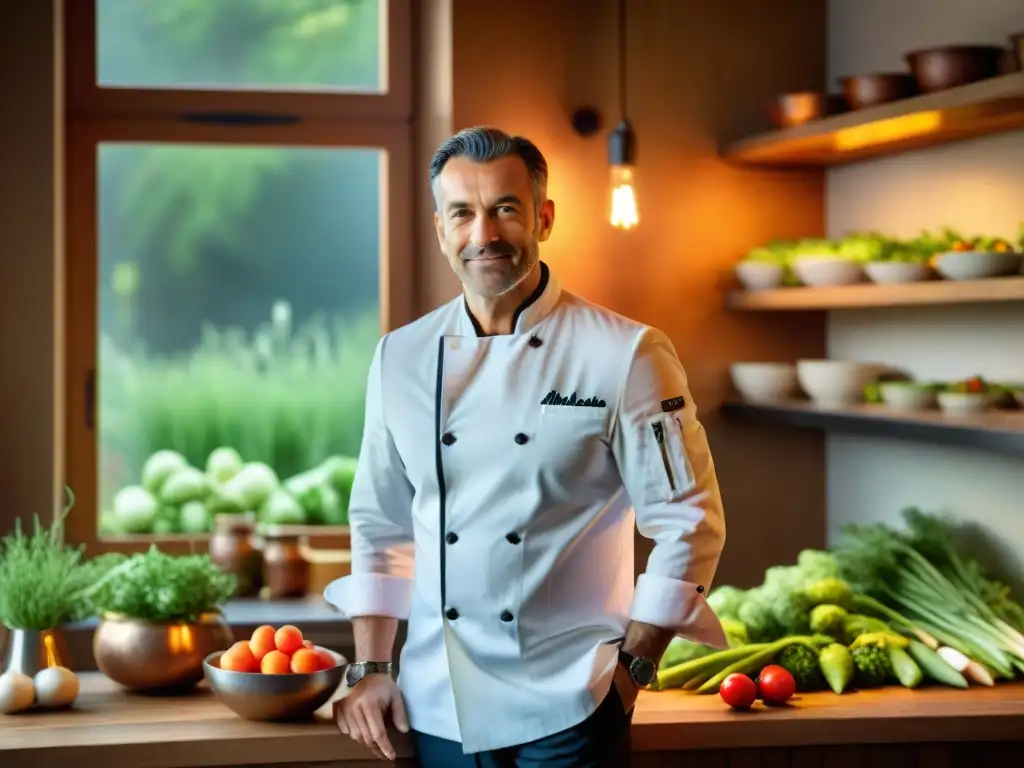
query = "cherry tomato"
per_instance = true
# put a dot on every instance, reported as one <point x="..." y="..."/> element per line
<point x="738" y="691"/>
<point x="775" y="685"/>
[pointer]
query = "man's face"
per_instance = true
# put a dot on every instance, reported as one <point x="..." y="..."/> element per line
<point x="487" y="223"/>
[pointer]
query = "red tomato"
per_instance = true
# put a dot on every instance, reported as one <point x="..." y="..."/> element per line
<point x="775" y="685"/>
<point x="738" y="691"/>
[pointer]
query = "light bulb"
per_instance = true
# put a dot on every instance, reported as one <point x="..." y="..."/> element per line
<point x="623" y="213"/>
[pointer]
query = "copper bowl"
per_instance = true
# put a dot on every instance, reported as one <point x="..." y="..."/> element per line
<point x="159" y="658"/>
<point x="939" y="68"/>
<point x="868" y="90"/>
<point x="793" y="109"/>
<point x="255" y="696"/>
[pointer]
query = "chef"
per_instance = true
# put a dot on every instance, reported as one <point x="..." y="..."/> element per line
<point x="513" y="439"/>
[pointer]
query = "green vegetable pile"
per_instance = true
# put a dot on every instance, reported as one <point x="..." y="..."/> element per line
<point x="863" y="247"/>
<point x="918" y="581"/>
<point x="883" y="607"/>
<point x="174" y="497"/>
<point x="160" y="588"/>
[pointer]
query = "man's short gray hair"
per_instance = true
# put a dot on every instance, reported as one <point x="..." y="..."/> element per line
<point x="483" y="144"/>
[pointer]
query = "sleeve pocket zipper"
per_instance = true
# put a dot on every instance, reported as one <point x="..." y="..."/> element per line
<point x="659" y="438"/>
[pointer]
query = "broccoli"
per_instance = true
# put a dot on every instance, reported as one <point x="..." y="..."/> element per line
<point x="757" y="616"/>
<point x="829" y="619"/>
<point x="680" y="650"/>
<point x="817" y="564"/>
<point x="726" y="601"/>
<point x="830" y="590"/>
<point x="871" y="666"/>
<point x="857" y="624"/>
<point x="801" y="660"/>
<point x="735" y="632"/>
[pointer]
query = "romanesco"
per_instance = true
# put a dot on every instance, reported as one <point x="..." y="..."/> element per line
<point x="830" y="620"/>
<point x="801" y="660"/>
<point x="871" y="665"/>
<point x="830" y="590"/>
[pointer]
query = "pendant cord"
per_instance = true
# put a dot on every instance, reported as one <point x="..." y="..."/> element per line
<point x="622" y="57"/>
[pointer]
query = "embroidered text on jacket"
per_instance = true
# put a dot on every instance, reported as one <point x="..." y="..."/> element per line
<point x="554" y="398"/>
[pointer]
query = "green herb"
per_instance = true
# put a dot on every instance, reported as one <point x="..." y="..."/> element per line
<point x="161" y="588"/>
<point x="920" y="574"/>
<point x="40" y="577"/>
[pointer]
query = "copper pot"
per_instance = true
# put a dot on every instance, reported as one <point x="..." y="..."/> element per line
<point x="951" y="66"/>
<point x="166" y="658"/>
<point x="869" y="90"/>
<point x="232" y="550"/>
<point x="792" y="109"/>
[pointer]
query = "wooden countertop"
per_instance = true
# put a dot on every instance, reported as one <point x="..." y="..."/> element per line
<point x="110" y="726"/>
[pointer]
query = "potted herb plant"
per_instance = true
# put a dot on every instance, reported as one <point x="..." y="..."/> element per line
<point x="160" y="617"/>
<point x="41" y="580"/>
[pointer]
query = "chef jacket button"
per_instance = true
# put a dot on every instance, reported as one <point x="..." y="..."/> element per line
<point x="451" y="614"/>
<point x="507" y="616"/>
<point x="512" y="538"/>
<point x="535" y="342"/>
<point x="451" y="537"/>
<point x="447" y="438"/>
<point x="522" y="439"/>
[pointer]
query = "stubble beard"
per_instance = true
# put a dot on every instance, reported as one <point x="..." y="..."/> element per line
<point x="529" y="256"/>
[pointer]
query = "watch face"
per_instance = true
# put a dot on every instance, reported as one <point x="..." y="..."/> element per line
<point x="643" y="671"/>
<point x="353" y="675"/>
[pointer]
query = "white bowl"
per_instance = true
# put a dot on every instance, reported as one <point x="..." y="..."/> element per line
<point x="907" y="396"/>
<point x="894" y="272"/>
<point x="976" y="265"/>
<point x="964" y="403"/>
<point x="827" y="270"/>
<point x="835" y="383"/>
<point x="759" y="275"/>
<point x="764" y="382"/>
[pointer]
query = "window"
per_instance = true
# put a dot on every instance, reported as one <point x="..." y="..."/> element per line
<point x="239" y="236"/>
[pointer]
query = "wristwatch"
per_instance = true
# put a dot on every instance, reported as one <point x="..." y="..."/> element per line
<point x="357" y="670"/>
<point x="642" y="671"/>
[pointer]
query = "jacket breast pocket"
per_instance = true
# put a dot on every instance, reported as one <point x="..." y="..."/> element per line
<point x="668" y="473"/>
<point x="571" y="440"/>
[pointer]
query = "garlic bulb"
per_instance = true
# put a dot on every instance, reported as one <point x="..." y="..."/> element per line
<point x="17" y="692"/>
<point x="56" y="687"/>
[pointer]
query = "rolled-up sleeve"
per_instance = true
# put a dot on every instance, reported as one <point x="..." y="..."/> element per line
<point x="663" y="457"/>
<point x="380" y="519"/>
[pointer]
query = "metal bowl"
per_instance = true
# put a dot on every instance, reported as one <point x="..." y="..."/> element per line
<point x="255" y="696"/>
<point x="161" y="658"/>
<point x="871" y="89"/>
<point x="937" y="69"/>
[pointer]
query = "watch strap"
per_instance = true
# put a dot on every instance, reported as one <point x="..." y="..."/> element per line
<point x="357" y="670"/>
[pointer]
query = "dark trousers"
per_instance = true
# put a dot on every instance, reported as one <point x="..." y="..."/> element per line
<point x="600" y="741"/>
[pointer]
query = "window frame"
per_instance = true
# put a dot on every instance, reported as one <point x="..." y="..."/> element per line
<point x="86" y="97"/>
<point x="92" y="118"/>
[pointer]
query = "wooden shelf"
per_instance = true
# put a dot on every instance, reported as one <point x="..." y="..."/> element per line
<point x="996" y="289"/>
<point x="999" y="431"/>
<point x="986" y="107"/>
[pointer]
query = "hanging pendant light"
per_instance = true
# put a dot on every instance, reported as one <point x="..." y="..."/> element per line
<point x="624" y="212"/>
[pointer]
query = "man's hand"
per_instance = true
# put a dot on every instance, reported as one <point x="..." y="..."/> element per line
<point x="362" y="713"/>
<point x="623" y="683"/>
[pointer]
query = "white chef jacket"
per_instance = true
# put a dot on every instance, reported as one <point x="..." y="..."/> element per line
<point x="497" y="464"/>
